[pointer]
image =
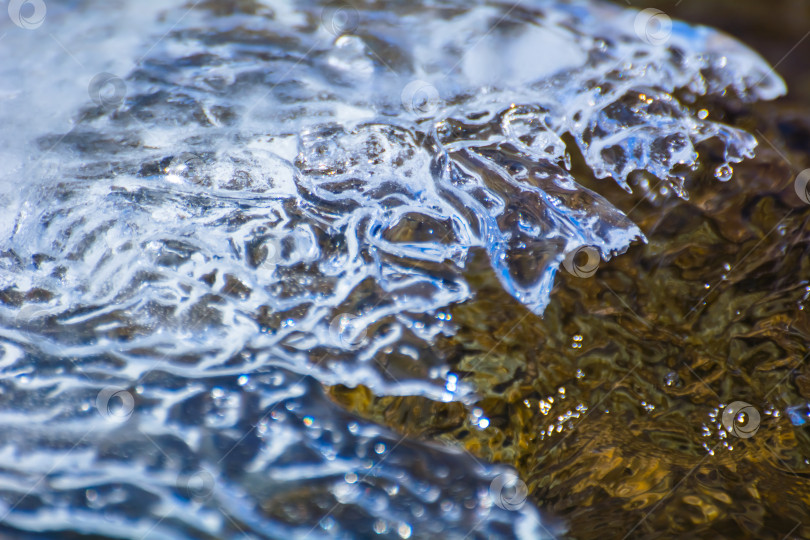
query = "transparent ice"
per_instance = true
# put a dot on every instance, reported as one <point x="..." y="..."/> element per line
<point x="286" y="196"/>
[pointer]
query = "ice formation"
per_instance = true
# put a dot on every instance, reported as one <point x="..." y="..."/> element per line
<point x="257" y="197"/>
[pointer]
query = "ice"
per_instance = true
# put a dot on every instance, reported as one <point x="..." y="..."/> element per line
<point x="211" y="210"/>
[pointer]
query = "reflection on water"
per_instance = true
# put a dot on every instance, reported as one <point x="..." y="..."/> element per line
<point x="243" y="202"/>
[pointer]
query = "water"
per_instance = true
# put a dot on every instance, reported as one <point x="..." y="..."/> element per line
<point x="211" y="211"/>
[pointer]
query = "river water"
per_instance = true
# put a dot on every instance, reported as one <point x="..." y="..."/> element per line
<point x="212" y="211"/>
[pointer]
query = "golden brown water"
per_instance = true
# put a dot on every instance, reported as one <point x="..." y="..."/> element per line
<point x="609" y="406"/>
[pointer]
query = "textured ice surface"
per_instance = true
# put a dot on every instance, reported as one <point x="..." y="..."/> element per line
<point x="276" y="195"/>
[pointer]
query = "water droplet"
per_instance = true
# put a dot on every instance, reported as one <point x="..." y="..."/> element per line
<point x="724" y="172"/>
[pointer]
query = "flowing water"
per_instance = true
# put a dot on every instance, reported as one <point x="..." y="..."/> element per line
<point x="220" y="217"/>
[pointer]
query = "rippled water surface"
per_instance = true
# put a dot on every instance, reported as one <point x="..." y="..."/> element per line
<point x="218" y="218"/>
